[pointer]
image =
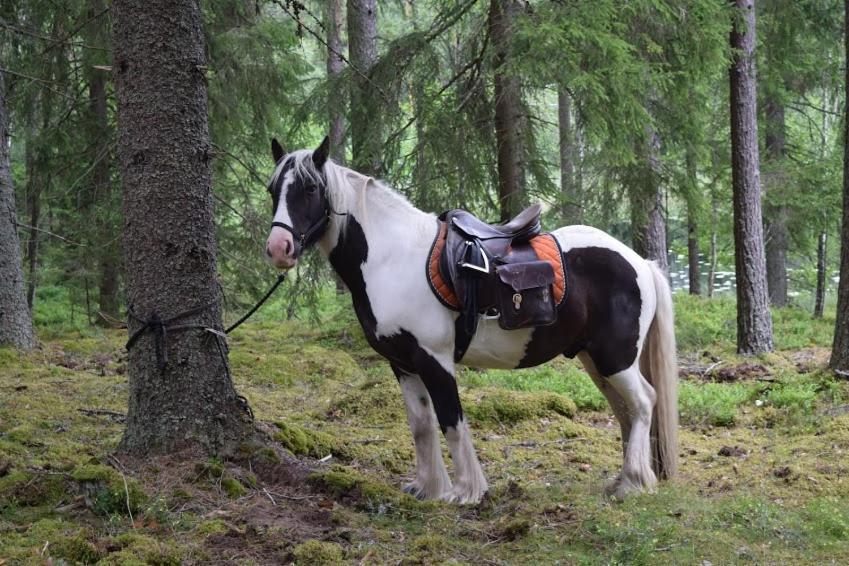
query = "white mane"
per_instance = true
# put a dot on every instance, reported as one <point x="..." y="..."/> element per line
<point x="368" y="199"/>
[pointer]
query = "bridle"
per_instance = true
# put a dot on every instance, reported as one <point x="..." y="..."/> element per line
<point x="317" y="227"/>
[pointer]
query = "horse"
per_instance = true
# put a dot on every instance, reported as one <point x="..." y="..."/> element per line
<point x="616" y="318"/>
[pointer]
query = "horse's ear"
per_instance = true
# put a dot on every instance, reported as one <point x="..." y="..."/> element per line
<point x="319" y="156"/>
<point x="277" y="150"/>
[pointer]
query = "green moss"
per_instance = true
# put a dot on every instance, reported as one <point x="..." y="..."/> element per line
<point x="138" y="549"/>
<point x="233" y="488"/>
<point x="511" y="407"/>
<point x="343" y="482"/>
<point x="317" y="552"/>
<point x="212" y="527"/>
<point x="107" y="491"/>
<point x="373" y="402"/>
<point x="75" y="549"/>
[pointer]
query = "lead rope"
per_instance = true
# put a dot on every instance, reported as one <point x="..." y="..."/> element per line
<point x="160" y="328"/>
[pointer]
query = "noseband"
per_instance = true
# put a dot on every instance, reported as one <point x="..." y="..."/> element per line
<point x="317" y="227"/>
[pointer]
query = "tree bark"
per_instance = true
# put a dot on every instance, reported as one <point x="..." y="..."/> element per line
<point x="694" y="270"/>
<point x="570" y="193"/>
<point x="711" y="279"/>
<point x="333" y="19"/>
<point x="510" y="115"/>
<point x="840" y="348"/>
<point x="33" y="205"/>
<point x="819" y="305"/>
<point x="182" y="395"/>
<point x="647" y="219"/>
<point x="754" y="321"/>
<point x="15" y="319"/>
<point x="366" y="126"/>
<point x="775" y="213"/>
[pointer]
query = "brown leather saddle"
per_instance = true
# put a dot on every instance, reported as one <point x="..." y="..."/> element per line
<point x="510" y="272"/>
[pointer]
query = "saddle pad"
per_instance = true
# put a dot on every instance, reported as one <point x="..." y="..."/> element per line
<point x="440" y="287"/>
<point x="545" y="247"/>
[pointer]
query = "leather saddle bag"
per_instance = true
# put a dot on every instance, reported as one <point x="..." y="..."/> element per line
<point x="524" y="295"/>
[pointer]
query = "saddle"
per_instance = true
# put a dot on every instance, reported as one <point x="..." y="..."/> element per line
<point x="510" y="272"/>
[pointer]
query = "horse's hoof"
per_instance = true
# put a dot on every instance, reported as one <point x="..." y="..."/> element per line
<point x="621" y="488"/>
<point x="414" y="490"/>
<point x="463" y="495"/>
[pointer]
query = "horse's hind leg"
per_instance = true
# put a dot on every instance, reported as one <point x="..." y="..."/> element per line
<point x="620" y="409"/>
<point x="639" y="397"/>
<point x="469" y="482"/>
<point x="431" y="476"/>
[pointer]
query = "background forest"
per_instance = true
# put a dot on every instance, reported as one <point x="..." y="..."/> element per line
<point x="708" y="135"/>
<point x="621" y="115"/>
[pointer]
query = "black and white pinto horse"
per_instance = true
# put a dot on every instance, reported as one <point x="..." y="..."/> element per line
<point x="616" y="318"/>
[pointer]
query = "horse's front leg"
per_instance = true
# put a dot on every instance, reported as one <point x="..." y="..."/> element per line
<point x="438" y="377"/>
<point x="432" y="479"/>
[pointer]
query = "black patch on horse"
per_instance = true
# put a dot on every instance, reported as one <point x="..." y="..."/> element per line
<point x="401" y="349"/>
<point x="601" y="313"/>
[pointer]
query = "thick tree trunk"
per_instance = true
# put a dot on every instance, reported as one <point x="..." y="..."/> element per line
<point x="571" y="197"/>
<point x="714" y="216"/>
<point x="775" y="214"/>
<point x="180" y="395"/>
<point x="648" y="222"/>
<point x="819" y="305"/>
<point x="33" y="204"/>
<point x="366" y="126"/>
<point x="840" y="349"/>
<point x="510" y="115"/>
<point x="754" y="321"/>
<point x="15" y="320"/>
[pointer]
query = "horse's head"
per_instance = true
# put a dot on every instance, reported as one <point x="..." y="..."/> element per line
<point x="300" y="206"/>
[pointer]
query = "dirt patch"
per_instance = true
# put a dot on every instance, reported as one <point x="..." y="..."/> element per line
<point x="719" y="373"/>
<point x="732" y="452"/>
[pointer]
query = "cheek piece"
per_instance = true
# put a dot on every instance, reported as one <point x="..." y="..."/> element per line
<point x="316" y="229"/>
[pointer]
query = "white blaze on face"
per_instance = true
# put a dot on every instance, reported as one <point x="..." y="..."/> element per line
<point x="281" y="245"/>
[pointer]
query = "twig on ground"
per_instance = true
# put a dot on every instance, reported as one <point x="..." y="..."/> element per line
<point x="264" y="490"/>
<point x="119" y="467"/>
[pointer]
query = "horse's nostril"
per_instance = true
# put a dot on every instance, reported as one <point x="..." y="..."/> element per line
<point x="287" y="247"/>
<point x="268" y="251"/>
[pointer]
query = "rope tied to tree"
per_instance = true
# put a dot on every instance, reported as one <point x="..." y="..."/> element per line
<point x="160" y="328"/>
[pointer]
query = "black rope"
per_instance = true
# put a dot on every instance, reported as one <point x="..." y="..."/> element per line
<point x="235" y="325"/>
<point x="161" y="327"/>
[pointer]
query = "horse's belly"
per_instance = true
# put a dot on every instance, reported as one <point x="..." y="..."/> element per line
<point x="493" y="347"/>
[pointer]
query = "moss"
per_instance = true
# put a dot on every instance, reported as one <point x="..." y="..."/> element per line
<point x="511" y="407"/>
<point x="233" y="488"/>
<point x="343" y="482"/>
<point x="516" y="528"/>
<point x="75" y="549"/>
<point x="317" y="552"/>
<point x="212" y="527"/>
<point x="32" y="489"/>
<point x="373" y="402"/>
<point x="138" y="549"/>
<point x="106" y="491"/>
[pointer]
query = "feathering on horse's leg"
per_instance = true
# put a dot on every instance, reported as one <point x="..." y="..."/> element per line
<point x="617" y="404"/>
<point x="469" y="482"/>
<point x="637" y="473"/>
<point x="431" y="476"/>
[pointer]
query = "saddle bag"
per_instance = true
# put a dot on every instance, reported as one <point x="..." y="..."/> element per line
<point x="524" y="296"/>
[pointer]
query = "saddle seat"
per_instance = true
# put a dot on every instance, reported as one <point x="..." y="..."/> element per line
<point x="523" y="226"/>
<point x="510" y="272"/>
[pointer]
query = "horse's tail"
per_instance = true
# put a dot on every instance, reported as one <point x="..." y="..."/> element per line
<point x="660" y="366"/>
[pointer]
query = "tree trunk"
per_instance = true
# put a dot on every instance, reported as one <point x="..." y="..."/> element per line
<point x="15" y="319"/>
<point x="181" y="393"/>
<point x="647" y="220"/>
<point x="33" y="204"/>
<point x="775" y="213"/>
<point x="840" y="349"/>
<point x="819" y="305"/>
<point x="366" y="127"/>
<point x="694" y="271"/>
<point x="711" y="280"/>
<point x="336" y="95"/>
<point x="570" y="196"/>
<point x="510" y="116"/>
<point x="754" y="322"/>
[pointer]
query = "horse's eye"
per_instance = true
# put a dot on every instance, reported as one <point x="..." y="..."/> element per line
<point x="311" y="188"/>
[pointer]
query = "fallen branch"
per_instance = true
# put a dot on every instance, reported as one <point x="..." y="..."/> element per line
<point x="119" y="467"/>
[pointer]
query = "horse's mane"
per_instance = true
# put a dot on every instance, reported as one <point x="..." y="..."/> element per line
<point x="345" y="197"/>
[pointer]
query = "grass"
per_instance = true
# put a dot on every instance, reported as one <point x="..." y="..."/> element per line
<point x="544" y="435"/>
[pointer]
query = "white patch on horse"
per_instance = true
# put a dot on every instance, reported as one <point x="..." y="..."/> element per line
<point x="282" y="212"/>
<point x="494" y="347"/>
<point x="432" y="479"/>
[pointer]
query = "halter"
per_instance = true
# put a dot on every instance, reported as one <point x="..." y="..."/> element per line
<point x="318" y="226"/>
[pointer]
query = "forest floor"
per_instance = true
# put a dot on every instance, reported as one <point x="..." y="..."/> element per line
<point x="764" y="470"/>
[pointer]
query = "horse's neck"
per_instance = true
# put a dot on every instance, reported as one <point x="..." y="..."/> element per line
<point x="390" y="225"/>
